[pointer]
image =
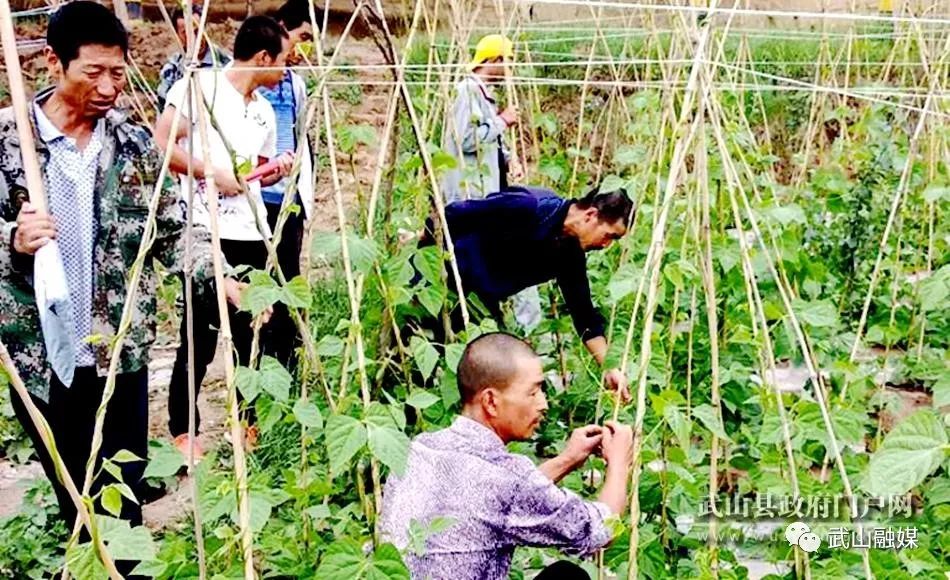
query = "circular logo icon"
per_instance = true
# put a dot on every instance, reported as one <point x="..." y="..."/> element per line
<point x="809" y="542"/>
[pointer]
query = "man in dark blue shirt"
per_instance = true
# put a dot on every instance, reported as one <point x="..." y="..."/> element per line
<point x="526" y="236"/>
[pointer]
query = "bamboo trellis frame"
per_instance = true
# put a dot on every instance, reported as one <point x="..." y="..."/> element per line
<point x="698" y="126"/>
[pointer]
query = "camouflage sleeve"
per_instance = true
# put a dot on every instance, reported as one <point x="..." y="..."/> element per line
<point x="7" y="254"/>
<point x="170" y="239"/>
<point x="167" y="77"/>
<point x="17" y="263"/>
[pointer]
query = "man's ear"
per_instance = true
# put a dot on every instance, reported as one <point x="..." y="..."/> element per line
<point x="53" y="63"/>
<point x="490" y="402"/>
<point x="262" y="58"/>
<point x="591" y="213"/>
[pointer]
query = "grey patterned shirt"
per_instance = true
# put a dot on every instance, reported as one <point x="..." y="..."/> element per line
<point x="494" y="501"/>
<point x="475" y="135"/>
<point x="70" y="180"/>
<point x="174" y="70"/>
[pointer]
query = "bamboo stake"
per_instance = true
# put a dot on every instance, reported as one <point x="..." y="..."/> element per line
<point x="34" y="180"/>
<point x="653" y="263"/>
<point x="351" y="288"/>
<point x="125" y="323"/>
<point x="709" y="283"/>
<point x="190" y="332"/>
<point x="891" y="219"/>
<point x="810" y="363"/>
<point x="237" y="430"/>
<point x="892" y="215"/>
<point x="581" y="114"/>
<point x="427" y="163"/>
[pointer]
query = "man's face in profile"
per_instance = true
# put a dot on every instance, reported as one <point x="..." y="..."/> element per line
<point x="521" y="405"/>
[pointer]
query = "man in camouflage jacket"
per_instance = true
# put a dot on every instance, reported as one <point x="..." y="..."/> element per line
<point x="70" y="122"/>
<point x="128" y="168"/>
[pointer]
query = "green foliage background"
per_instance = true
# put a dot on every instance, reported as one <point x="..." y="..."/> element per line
<point x="312" y="478"/>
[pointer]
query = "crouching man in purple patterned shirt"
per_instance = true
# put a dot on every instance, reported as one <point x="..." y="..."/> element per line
<point x="472" y="502"/>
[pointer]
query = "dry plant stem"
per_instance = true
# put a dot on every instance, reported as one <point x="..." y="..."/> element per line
<point x="191" y="47"/>
<point x="125" y="320"/>
<point x="133" y="96"/>
<point x="46" y="435"/>
<point x="190" y="331"/>
<point x="608" y="114"/>
<point x="237" y="430"/>
<point x="784" y="292"/>
<point x="320" y="89"/>
<point x="520" y="131"/>
<point x="534" y="99"/>
<point x="150" y="94"/>
<point x="433" y="67"/>
<point x="689" y="353"/>
<point x="299" y="321"/>
<point x="384" y="150"/>
<point x="658" y="160"/>
<point x="813" y="115"/>
<point x="171" y="25"/>
<point x="712" y="319"/>
<point x="756" y="308"/>
<point x="885" y="237"/>
<point x="931" y="213"/>
<point x="757" y="312"/>
<point x="892" y="217"/>
<point x="653" y="262"/>
<point x="881" y="388"/>
<point x="651" y="265"/>
<point x="371" y="220"/>
<point x="580" y="120"/>
<point x="510" y="95"/>
<point x="614" y="71"/>
<point x="356" y="325"/>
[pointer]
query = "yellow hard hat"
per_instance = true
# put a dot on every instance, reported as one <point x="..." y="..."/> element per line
<point x="492" y="46"/>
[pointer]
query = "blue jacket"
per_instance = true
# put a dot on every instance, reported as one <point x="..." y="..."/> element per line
<point x="513" y="240"/>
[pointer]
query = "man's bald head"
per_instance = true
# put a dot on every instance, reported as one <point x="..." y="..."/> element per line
<point x="490" y="361"/>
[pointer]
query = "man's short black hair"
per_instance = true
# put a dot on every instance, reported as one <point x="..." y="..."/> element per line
<point x="491" y="360"/>
<point x="256" y="34"/>
<point x="83" y="23"/>
<point x="294" y="13"/>
<point x="179" y="13"/>
<point x="611" y="206"/>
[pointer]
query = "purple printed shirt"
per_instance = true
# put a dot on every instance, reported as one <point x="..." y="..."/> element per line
<point x="495" y="500"/>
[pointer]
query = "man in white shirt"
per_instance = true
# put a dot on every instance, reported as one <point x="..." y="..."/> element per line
<point x="241" y="122"/>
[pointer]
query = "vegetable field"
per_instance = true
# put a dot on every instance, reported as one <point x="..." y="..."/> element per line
<point x="780" y="305"/>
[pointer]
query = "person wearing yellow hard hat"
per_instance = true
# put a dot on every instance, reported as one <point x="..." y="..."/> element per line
<point x="474" y="133"/>
<point x="491" y="48"/>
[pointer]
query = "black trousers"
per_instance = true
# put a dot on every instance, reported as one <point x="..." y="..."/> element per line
<point x="563" y="570"/>
<point x="71" y="414"/>
<point x="281" y="333"/>
<point x="205" y="326"/>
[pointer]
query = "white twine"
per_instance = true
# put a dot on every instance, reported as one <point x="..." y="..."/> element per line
<point x="709" y="12"/>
